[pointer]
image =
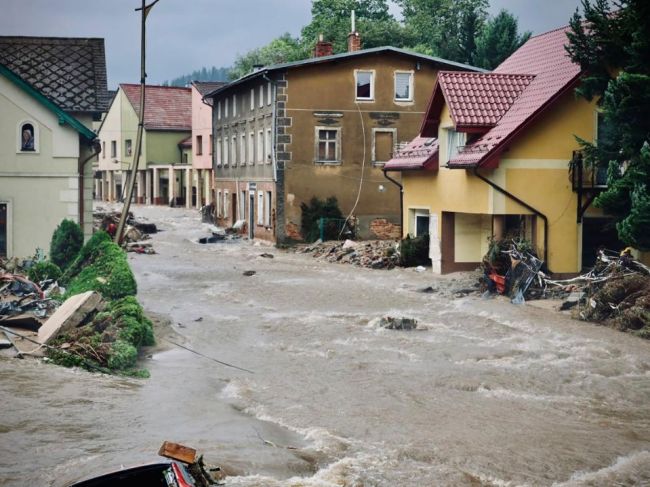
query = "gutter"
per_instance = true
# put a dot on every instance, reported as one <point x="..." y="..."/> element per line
<point x="82" y="163"/>
<point x="522" y="203"/>
<point x="401" y="200"/>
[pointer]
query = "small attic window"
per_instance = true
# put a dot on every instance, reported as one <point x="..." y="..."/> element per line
<point x="27" y="137"/>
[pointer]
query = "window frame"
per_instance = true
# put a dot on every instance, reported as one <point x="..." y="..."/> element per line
<point x="261" y="100"/>
<point x="219" y="110"/>
<point x="242" y="148"/>
<point x="411" y="74"/>
<point x="219" y="156"/>
<point x="251" y="147"/>
<point x="373" y="151"/>
<point x="252" y="99"/>
<point x="269" y="93"/>
<point x="114" y="148"/>
<point x="267" y="208"/>
<point x="233" y="149"/>
<point x="372" y="73"/>
<point x="338" y="150"/>
<point x="269" y="146"/>
<point x="260" y="146"/>
<point x="199" y="145"/>
<point x="260" y="208"/>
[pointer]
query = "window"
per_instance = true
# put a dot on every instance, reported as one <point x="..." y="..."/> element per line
<point x="261" y="100"/>
<point x="267" y="212"/>
<point x="365" y="86"/>
<point x="455" y="140"/>
<point x="233" y="150"/>
<point x="260" y="146"/>
<point x="27" y="137"/>
<point x="225" y="108"/>
<point x="403" y="86"/>
<point x="211" y="144"/>
<point x="226" y="151"/>
<point x="199" y="145"/>
<point x="260" y="208"/>
<point x="219" y="203"/>
<point x="219" y="151"/>
<point x="219" y="110"/>
<point x="383" y="142"/>
<point x="252" y="99"/>
<point x="269" y="146"/>
<point x="234" y="105"/>
<point x="268" y="93"/>
<point x="103" y="150"/>
<point x="421" y="223"/>
<point x="242" y="205"/>
<point x="251" y="147"/>
<point x="185" y="158"/>
<point x="242" y="148"/>
<point x="327" y="144"/>
<point x="225" y="203"/>
<point x="128" y="147"/>
<point x="113" y="148"/>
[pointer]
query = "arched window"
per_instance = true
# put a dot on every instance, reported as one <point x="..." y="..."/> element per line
<point x="27" y="137"/>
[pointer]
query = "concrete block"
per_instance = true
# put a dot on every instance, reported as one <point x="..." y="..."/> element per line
<point x="69" y="315"/>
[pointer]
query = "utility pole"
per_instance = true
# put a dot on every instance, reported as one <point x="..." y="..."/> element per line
<point x="138" y="141"/>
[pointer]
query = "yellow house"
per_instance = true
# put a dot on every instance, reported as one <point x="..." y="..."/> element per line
<point x="52" y="90"/>
<point x="165" y="167"/>
<point x="495" y="157"/>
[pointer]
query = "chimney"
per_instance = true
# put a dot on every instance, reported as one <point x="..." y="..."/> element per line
<point x="323" y="48"/>
<point x="354" y="39"/>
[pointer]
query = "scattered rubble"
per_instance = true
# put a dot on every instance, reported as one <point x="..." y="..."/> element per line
<point x="136" y="232"/>
<point x="373" y="254"/>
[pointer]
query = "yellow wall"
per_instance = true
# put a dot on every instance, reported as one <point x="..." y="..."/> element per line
<point x="534" y="167"/>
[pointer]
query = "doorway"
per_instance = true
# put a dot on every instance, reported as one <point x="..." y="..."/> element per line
<point x="3" y="229"/>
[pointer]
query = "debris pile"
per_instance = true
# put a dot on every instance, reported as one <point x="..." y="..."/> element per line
<point x="136" y="232"/>
<point x="392" y="323"/>
<point x="373" y="254"/>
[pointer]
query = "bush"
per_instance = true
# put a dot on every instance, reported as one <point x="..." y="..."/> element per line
<point x="415" y="251"/>
<point x="123" y="355"/>
<point x="311" y="215"/>
<point x="44" y="270"/>
<point x="67" y="240"/>
<point x="100" y="266"/>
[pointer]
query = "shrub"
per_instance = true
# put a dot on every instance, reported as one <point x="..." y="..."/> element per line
<point x="101" y="266"/>
<point x="67" y="240"/>
<point x="44" y="270"/>
<point x="415" y="251"/>
<point x="311" y="215"/>
<point x="123" y="355"/>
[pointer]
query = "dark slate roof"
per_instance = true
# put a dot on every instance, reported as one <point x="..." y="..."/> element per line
<point x="443" y="63"/>
<point x="166" y="107"/>
<point x="69" y="71"/>
<point x="205" y="87"/>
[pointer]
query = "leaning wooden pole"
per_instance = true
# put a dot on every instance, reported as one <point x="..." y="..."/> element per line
<point x="119" y="235"/>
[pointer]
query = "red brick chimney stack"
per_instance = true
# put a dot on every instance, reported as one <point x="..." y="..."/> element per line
<point x="354" y="39"/>
<point x="323" y="48"/>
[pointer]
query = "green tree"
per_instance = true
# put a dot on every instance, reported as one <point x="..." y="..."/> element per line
<point x="444" y="28"/>
<point x="332" y="19"/>
<point x="280" y="50"/>
<point x="613" y="49"/>
<point x="67" y="240"/>
<point x="498" y="40"/>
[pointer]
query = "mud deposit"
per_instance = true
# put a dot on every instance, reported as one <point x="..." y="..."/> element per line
<point x="481" y="393"/>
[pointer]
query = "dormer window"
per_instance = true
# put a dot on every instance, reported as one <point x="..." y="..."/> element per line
<point x="455" y="140"/>
<point x="27" y="137"/>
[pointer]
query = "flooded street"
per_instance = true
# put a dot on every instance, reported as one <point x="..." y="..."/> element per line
<point x="482" y="393"/>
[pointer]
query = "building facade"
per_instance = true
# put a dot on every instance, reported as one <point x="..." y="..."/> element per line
<point x="318" y="128"/>
<point x="52" y="92"/>
<point x="164" y="171"/>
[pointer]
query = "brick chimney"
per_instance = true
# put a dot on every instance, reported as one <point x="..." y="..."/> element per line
<point x="323" y="48"/>
<point x="354" y="39"/>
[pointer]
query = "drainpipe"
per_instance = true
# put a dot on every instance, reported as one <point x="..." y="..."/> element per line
<point x="401" y="200"/>
<point x="97" y="148"/>
<point x="522" y="203"/>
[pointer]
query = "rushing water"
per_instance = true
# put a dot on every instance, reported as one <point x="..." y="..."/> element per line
<point x="482" y="393"/>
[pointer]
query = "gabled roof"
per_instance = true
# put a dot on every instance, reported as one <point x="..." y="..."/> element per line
<point x="186" y="143"/>
<point x="443" y="63"/>
<point x="554" y="73"/>
<point x="205" y="87"/>
<point x="166" y="107"/>
<point x="420" y="153"/>
<point x="480" y="99"/>
<point x="71" y="72"/>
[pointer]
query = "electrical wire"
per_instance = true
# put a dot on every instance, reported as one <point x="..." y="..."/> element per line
<point x="363" y="168"/>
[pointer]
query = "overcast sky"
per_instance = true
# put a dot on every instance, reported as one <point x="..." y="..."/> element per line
<point x="184" y="35"/>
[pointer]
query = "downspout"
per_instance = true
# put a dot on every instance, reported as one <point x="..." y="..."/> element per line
<point x="401" y="200"/>
<point x="82" y="164"/>
<point x="522" y="203"/>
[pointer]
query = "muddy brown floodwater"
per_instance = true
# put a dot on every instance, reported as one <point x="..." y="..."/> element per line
<point x="482" y="393"/>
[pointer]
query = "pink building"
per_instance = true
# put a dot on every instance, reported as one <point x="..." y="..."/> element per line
<point x="202" y="143"/>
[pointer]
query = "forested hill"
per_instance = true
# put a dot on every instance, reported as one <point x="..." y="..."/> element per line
<point x="203" y="74"/>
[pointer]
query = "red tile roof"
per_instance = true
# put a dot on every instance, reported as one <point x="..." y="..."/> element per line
<point x="166" y="107"/>
<point x="420" y="153"/>
<point x="480" y="99"/>
<point x="554" y="73"/>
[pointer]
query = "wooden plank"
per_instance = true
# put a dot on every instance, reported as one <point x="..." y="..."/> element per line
<point x="178" y="452"/>
<point x="69" y="315"/>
